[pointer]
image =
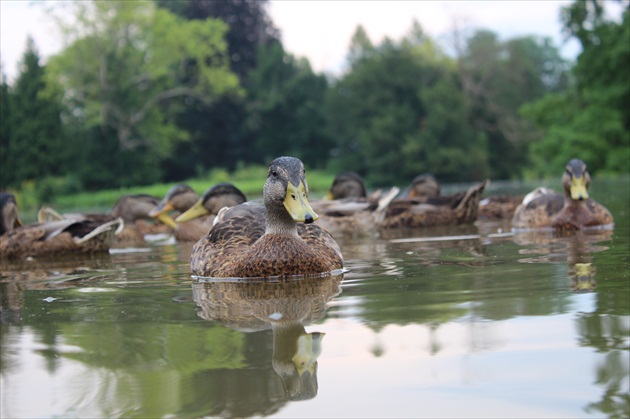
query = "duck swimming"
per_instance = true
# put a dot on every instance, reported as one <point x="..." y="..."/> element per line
<point x="197" y="216"/>
<point x="348" y="210"/>
<point x="51" y="238"/>
<point x="426" y="188"/>
<point x="415" y="211"/>
<point x="347" y="185"/>
<point x="132" y="208"/>
<point x="277" y="239"/>
<point x="572" y="210"/>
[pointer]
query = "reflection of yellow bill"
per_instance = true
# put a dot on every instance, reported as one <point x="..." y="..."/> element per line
<point x="578" y="188"/>
<point x="193" y="212"/>
<point x="308" y="349"/>
<point x="297" y="204"/>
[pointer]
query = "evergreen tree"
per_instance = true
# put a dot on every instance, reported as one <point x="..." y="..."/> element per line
<point x="34" y="144"/>
<point x="6" y="174"/>
<point x="285" y="101"/>
<point x="218" y="131"/>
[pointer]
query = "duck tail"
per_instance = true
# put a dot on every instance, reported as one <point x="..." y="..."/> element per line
<point x="46" y="214"/>
<point x="468" y="208"/>
<point x="109" y="229"/>
<point x="386" y="198"/>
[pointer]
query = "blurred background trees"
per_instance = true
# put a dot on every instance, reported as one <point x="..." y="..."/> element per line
<point x="162" y="91"/>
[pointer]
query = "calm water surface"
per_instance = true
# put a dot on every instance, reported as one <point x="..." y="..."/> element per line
<point x="464" y="322"/>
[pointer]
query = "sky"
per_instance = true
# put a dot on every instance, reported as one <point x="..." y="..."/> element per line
<point x="321" y="30"/>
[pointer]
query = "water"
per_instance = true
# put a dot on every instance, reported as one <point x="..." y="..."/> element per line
<point x="483" y="325"/>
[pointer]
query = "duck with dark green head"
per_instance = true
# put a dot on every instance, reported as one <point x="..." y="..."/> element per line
<point x="277" y="239"/>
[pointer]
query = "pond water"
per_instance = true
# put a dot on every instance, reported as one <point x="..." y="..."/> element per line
<point x="462" y="322"/>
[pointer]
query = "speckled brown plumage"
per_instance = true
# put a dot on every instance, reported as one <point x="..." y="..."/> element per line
<point x="569" y="211"/>
<point x="133" y="209"/>
<point x="412" y="212"/>
<point x="55" y="238"/>
<point x="499" y="206"/>
<point x="254" y="241"/>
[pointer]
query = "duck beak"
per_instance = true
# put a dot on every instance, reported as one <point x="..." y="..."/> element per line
<point x="162" y="208"/>
<point x="297" y="204"/>
<point x="578" y="188"/>
<point x="165" y="219"/>
<point x="329" y="196"/>
<point x="193" y="212"/>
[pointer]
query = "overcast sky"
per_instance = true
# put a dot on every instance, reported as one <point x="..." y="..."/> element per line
<point x="321" y="30"/>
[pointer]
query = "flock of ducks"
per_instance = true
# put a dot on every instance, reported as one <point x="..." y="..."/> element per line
<point x="279" y="236"/>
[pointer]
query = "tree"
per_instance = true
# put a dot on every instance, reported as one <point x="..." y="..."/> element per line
<point x="591" y="120"/>
<point x="400" y="111"/>
<point x="285" y="100"/>
<point x="221" y="126"/>
<point x="127" y="62"/>
<point x="33" y="143"/>
<point x="6" y="174"/>
<point x="249" y="26"/>
<point x="498" y="78"/>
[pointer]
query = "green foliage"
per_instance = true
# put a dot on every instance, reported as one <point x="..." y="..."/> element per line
<point x="285" y="100"/>
<point x="592" y="119"/>
<point x="400" y="111"/>
<point x="32" y="133"/>
<point x="127" y="61"/>
<point x="248" y="21"/>
<point x="141" y="96"/>
<point x="497" y="78"/>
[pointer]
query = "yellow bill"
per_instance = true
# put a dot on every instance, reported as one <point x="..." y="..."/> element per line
<point x="578" y="188"/>
<point x="193" y="212"/>
<point x="297" y="204"/>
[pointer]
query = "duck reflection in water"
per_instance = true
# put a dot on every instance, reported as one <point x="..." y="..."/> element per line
<point x="285" y="307"/>
<point x="573" y="248"/>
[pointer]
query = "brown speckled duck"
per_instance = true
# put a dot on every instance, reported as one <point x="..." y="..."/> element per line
<point x="426" y="188"/>
<point x="573" y="210"/>
<point x="279" y="239"/>
<point x="197" y="216"/>
<point x="347" y="185"/>
<point x="132" y="208"/>
<point x="414" y="211"/>
<point x="51" y="238"/>
<point x="348" y="210"/>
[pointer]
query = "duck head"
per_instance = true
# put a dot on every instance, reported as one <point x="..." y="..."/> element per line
<point x="575" y="180"/>
<point x="286" y="191"/>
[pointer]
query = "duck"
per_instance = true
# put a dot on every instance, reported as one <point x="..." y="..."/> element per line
<point x="133" y="209"/>
<point x="347" y="185"/>
<point x="493" y="207"/>
<point x="197" y="216"/>
<point x="348" y="211"/>
<point x="571" y="210"/>
<point x="275" y="238"/>
<point x="423" y="187"/>
<point x="422" y="211"/>
<point x="499" y="206"/>
<point x="67" y="236"/>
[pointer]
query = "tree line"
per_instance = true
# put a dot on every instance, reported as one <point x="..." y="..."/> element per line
<point x="162" y="91"/>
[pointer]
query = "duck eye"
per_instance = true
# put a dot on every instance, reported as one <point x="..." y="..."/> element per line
<point x="274" y="173"/>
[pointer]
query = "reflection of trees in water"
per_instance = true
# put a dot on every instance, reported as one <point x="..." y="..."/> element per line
<point x="609" y="333"/>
